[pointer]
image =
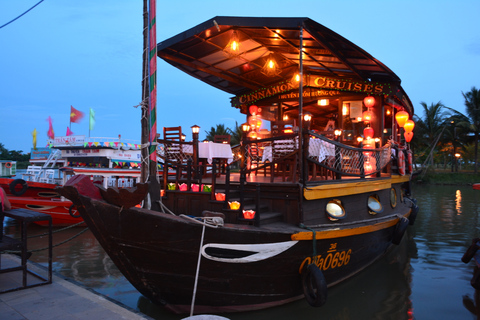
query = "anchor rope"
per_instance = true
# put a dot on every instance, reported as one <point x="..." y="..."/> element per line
<point x="314" y="242"/>
<point x="54" y="246"/>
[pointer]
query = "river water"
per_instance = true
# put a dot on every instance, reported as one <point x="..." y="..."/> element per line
<point x="422" y="278"/>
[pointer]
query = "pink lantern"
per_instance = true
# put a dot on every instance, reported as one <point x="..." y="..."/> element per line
<point x="195" y="187"/>
<point x="369" y="102"/>
<point x="368" y="132"/>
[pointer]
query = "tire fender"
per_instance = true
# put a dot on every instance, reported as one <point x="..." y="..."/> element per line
<point x="70" y="210"/>
<point x="314" y="286"/>
<point x="400" y="230"/>
<point x="14" y="184"/>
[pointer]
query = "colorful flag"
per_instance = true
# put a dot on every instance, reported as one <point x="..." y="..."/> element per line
<point x="152" y="101"/>
<point x="34" y="134"/>
<point x="69" y="132"/>
<point x="91" y="119"/>
<point x="75" y="115"/>
<point x="50" y="132"/>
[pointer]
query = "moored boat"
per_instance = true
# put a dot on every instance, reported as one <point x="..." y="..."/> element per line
<point x="107" y="161"/>
<point x="317" y="199"/>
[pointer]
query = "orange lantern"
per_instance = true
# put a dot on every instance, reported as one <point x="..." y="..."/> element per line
<point x="408" y="136"/>
<point x="220" y="196"/>
<point x="401" y="118"/>
<point x="409" y="125"/>
<point x="235" y="205"/>
<point x="368" y="132"/>
<point x="367" y="116"/>
<point x="369" y="102"/>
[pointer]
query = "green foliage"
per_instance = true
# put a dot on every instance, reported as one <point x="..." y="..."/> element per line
<point x="23" y="160"/>
<point x="220" y="129"/>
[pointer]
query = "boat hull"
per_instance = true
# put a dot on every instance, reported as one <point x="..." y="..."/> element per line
<point x="34" y="189"/>
<point x="242" y="267"/>
<point x="58" y="209"/>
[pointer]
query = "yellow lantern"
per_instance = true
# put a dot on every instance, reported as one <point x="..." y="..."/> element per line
<point x="409" y="125"/>
<point x="401" y="118"/>
<point x="367" y="116"/>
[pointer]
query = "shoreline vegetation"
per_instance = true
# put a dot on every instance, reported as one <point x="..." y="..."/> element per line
<point x="446" y="177"/>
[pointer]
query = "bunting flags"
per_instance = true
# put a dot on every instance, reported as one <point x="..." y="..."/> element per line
<point x="75" y="115"/>
<point x="50" y="132"/>
<point x="152" y="101"/>
<point x="34" y="134"/>
<point x="91" y="121"/>
<point x="69" y="132"/>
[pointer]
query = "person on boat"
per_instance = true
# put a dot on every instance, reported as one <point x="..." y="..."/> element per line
<point x="5" y="205"/>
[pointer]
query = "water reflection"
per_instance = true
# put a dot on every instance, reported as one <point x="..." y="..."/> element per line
<point x="422" y="278"/>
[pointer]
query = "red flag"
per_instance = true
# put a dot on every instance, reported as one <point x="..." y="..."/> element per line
<point x="50" y="132"/>
<point x="69" y="132"/>
<point x="75" y="115"/>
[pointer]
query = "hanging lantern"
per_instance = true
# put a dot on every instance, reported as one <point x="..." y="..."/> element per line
<point x="253" y="110"/>
<point x="233" y="47"/>
<point x="271" y="68"/>
<point x="401" y="118"/>
<point x="408" y="136"/>
<point x="368" y="133"/>
<point x="369" y="102"/>
<point x="367" y="116"/>
<point x="259" y="123"/>
<point x="409" y="125"/>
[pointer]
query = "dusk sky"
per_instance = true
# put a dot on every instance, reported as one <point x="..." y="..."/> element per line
<point x="88" y="54"/>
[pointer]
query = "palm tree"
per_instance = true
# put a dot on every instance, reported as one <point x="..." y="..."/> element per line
<point x="472" y="105"/>
<point x="431" y="126"/>
<point x="219" y="130"/>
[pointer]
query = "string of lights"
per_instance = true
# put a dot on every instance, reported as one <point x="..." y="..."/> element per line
<point x="21" y="14"/>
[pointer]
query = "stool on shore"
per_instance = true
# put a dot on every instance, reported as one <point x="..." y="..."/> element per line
<point x="25" y="217"/>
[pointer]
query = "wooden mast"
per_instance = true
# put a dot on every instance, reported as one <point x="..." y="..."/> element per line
<point x="149" y="167"/>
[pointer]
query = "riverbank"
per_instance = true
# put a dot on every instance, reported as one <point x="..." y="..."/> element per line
<point x="446" y="177"/>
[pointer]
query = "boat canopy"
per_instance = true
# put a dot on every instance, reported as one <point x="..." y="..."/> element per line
<point x="332" y="65"/>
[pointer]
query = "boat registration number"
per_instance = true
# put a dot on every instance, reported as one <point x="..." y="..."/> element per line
<point x="331" y="260"/>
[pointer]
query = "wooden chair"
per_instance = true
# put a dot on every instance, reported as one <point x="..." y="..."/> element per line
<point x="172" y="133"/>
<point x="219" y="138"/>
<point x="222" y="138"/>
<point x="284" y="156"/>
<point x="255" y="158"/>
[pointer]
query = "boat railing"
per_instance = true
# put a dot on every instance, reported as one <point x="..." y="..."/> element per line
<point x="344" y="160"/>
<point x="332" y="158"/>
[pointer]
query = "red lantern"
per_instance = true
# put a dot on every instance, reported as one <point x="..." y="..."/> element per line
<point x="369" y="102"/>
<point x="408" y="136"/>
<point x="409" y="125"/>
<point x="253" y="109"/>
<point x="368" y="132"/>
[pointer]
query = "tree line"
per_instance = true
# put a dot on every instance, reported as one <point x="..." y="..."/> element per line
<point x="446" y="137"/>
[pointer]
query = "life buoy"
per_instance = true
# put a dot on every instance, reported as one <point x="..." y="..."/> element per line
<point x="400" y="230"/>
<point x="401" y="162"/>
<point x="8" y="165"/>
<point x="13" y="187"/>
<point x="468" y="255"/>
<point x="70" y="210"/>
<point x="410" y="161"/>
<point x="314" y="286"/>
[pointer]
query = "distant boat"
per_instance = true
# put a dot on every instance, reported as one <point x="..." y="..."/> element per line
<point x="105" y="160"/>
<point x="309" y="207"/>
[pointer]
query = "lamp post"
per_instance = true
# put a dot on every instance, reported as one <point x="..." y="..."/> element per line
<point x="195" y="131"/>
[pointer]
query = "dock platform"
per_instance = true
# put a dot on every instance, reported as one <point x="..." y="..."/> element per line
<point x="61" y="299"/>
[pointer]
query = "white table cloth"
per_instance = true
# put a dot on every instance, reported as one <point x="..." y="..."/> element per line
<point x="316" y="148"/>
<point x="211" y="150"/>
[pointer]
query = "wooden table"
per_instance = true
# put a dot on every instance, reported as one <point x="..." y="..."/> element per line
<point x="25" y="217"/>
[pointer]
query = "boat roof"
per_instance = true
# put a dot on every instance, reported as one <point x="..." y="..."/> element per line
<point x="199" y="52"/>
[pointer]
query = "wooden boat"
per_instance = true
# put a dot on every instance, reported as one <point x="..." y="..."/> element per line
<point x="307" y="208"/>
